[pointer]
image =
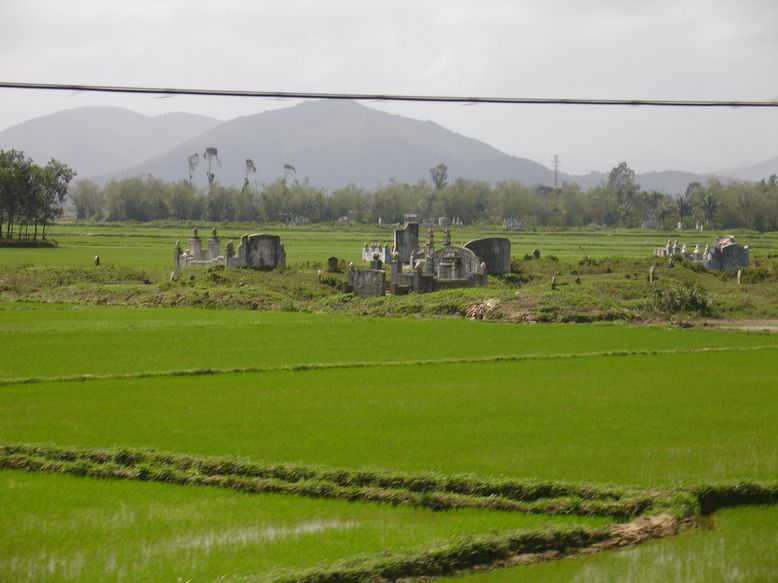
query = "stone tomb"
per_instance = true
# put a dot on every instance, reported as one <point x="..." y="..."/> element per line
<point x="259" y="252"/>
<point x="366" y="283"/>
<point x="431" y="270"/>
<point x="254" y="251"/>
<point x="494" y="251"/>
<point x="406" y="241"/>
<point x="726" y="253"/>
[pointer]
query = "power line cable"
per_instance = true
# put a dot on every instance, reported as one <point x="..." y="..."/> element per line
<point x="169" y="91"/>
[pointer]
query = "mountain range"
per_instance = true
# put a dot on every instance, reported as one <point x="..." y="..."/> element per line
<point x="330" y="143"/>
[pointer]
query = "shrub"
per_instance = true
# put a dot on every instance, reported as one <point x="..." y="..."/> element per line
<point x="682" y="298"/>
<point x="330" y="280"/>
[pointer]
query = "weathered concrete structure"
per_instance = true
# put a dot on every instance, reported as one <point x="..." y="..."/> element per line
<point x="254" y="251"/>
<point x="431" y="270"/>
<point x="406" y="241"/>
<point x="494" y="251"/>
<point x="260" y="252"/>
<point x="726" y="253"/>
<point x="366" y="283"/>
<point x="384" y="252"/>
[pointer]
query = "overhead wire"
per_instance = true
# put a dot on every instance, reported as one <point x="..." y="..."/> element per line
<point x="171" y="91"/>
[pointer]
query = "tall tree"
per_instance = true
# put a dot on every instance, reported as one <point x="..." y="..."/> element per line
<point x="439" y="176"/>
<point x="709" y="205"/>
<point x="210" y="155"/>
<point x="88" y="200"/>
<point x="250" y="169"/>
<point x="684" y="207"/>
<point x="288" y="168"/>
<point x="54" y="180"/>
<point x="193" y="161"/>
<point x="624" y="189"/>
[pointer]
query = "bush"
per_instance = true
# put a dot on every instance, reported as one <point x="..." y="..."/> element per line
<point x="682" y="298"/>
<point x="330" y="280"/>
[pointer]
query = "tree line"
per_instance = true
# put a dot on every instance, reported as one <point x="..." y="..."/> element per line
<point x="31" y="196"/>
<point x="619" y="202"/>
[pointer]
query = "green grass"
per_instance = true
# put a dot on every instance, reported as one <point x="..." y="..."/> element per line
<point x="648" y="420"/>
<point x="59" y="527"/>
<point x="151" y="246"/>
<point x="738" y="544"/>
<point x="50" y="341"/>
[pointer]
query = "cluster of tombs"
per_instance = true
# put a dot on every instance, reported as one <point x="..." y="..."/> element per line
<point x="425" y="269"/>
<point x="726" y="253"/>
<point x="256" y="251"/>
<point x="413" y="267"/>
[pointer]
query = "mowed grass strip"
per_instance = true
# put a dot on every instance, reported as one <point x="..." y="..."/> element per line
<point x="55" y="341"/>
<point x="634" y="420"/>
<point x="58" y="528"/>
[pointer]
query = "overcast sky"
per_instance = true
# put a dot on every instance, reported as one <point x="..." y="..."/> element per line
<point x="704" y="49"/>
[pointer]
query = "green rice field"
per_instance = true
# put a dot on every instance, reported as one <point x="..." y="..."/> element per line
<point x="151" y="248"/>
<point x="64" y="527"/>
<point x="609" y="405"/>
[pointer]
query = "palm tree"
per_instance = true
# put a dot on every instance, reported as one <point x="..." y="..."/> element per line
<point x="193" y="161"/>
<point x="250" y="169"/>
<point x="709" y="205"/>
<point x="683" y="207"/>
<point x="287" y="169"/>
<point x="211" y="154"/>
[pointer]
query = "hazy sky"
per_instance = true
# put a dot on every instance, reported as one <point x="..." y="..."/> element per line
<point x="704" y="49"/>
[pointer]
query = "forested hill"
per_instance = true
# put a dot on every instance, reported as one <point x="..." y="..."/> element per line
<point x="334" y="143"/>
<point x="100" y="140"/>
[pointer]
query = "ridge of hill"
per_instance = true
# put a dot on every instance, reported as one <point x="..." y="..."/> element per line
<point x="98" y="140"/>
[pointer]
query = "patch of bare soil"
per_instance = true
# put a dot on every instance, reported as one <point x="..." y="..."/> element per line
<point x="747" y="325"/>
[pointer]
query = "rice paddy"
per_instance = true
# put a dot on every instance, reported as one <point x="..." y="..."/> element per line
<point x="651" y="408"/>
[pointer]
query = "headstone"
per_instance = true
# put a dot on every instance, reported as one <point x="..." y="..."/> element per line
<point x="332" y="264"/>
<point x="536" y="253"/>
<point x="651" y="274"/>
<point x="495" y="252"/>
<point x="553" y="282"/>
<point x="260" y="252"/>
<point x="367" y="282"/>
<point x="406" y="240"/>
<point x="739" y="276"/>
<point x="97" y="261"/>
